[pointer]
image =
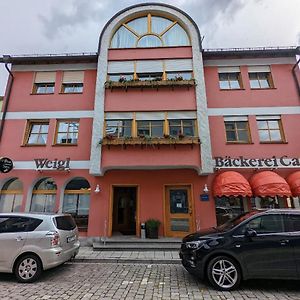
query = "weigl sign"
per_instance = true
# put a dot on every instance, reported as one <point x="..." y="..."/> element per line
<point x="56" y="164"/>
<point x="243" y="162"/>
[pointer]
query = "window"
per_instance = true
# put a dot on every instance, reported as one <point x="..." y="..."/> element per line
<point x="260" y="77"/>
<point x="18" y="224"/>
<point x="229" y="81"/>
<point x="182" y="127"/>
<point x="180" y="75"/>
<point x="270" y="130"/>
<point x="67" y="132"/>
<point x="120" y="77"/>
<point x="11" y="196"/>
<point x="150" y="76"/>
<point x="44" y="83"/>
<point x="72" y="82"/>
<point x="77" y="201"/>
<point x="293" y="223"/>
<point x="150" y="31"/>
<point x="36" y="132"/>
<point x="43" y="196"/>
<point x="237" y="131"/>
<point x="118" y="128"/>
<point x="265" y="224"/>
<point x="150" y="128"/>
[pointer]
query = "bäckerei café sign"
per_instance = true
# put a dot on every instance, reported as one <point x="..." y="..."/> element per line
<point x="228" y="162"/>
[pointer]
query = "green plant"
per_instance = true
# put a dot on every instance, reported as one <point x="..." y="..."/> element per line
<point x="152" y="224"/>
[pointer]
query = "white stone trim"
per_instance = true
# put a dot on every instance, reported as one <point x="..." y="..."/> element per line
<point x="280" y="110"/>
<point x="30" y="165"/>
<point x="54" y="67"/>
<point x="202" y="116"/>
<point x="249" y="61"/>
<point x="49" y="114"/>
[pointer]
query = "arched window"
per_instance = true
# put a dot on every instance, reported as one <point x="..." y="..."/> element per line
<point x="11" y="196"/>
<point x="43" y="196"/>
<point x="77" y="201"/>
<point x="150" y="31"/>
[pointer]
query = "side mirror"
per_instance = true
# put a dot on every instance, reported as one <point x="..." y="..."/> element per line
<point x="250" y="233"/>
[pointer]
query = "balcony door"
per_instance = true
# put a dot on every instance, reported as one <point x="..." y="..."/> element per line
<point x="178" y="210"/>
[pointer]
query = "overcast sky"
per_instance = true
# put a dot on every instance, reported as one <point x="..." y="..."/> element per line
<point x="69" y="26"/>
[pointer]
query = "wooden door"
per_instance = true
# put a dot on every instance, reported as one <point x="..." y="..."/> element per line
<point x="178" y="210"/>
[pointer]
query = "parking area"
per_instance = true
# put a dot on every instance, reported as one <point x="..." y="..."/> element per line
<point x="135" y="281"/>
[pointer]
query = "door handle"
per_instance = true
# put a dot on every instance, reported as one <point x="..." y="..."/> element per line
<point x="284" y="242"/>
<point x="19" y="239"/>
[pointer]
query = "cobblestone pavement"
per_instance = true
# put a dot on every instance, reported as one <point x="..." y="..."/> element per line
<point x="135" y="281"/>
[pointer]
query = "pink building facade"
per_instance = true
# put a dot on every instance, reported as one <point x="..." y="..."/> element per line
<point x="151" y="126"/>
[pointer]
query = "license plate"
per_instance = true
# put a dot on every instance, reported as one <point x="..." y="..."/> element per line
<point x="70" y="239"/>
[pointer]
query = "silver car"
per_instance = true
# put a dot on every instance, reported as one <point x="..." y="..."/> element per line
<point x="32" y="242"/>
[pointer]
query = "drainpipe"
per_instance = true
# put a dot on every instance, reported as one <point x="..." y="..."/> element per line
<point x="295" y="75"/>
<point x="6" y="60"/>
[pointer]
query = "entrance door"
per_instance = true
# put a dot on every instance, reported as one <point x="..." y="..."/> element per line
<point x="179" y="215"/>
<point x="124" y="210"/>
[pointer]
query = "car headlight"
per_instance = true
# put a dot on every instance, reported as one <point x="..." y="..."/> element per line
<point x="194" y="244"/>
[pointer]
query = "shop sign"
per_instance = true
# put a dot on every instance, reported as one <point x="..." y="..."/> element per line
<point x="6" y="164"/>
<point x="56" y="164"/>
<point x="243" y="162"/>
<point x="204" y="197"/>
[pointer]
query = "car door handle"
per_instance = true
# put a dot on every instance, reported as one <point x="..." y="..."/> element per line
<point x="284" y="242"/>
<point x="19" y="239"/>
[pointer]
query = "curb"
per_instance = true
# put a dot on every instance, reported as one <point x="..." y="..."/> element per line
<point x="127" y="261"/>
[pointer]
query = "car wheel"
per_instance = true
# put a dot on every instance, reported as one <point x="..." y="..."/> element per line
<point x="28" y="268"/>
<point x="224" y="273"/>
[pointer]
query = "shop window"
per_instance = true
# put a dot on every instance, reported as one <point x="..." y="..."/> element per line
<point x="77" y="201"/>
<point x="118" y="128"/>
<point x="67" y="132"/>
<point x="237" y="131"/>
<point x="72" y="82"/>
<point x="230" y="81"/>
<point x="36" y="133"/>
<point x="182" y="127"/>
<point x="270" y="130"/>
<point x="44" y="83"/>
<point x="150" y="31"/>
<point x="150" y="128"/>
<point x="43" y="196"/>
<point x="11" y="196"/>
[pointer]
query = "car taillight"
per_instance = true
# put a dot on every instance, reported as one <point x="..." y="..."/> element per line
<point x="55" y="240"/>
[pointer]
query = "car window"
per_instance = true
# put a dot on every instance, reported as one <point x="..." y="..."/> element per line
<point x="264" y="224"/>
<point x="65" y="223"/>
<point x="293" y="223"/>
<point x="18" y="224"/>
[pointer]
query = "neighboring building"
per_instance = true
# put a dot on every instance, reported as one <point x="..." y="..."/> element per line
<point x="152" y="126"/>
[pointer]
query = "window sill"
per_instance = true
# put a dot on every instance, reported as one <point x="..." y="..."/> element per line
<point x="259" y="89"/>
<point x="77" y="93"/>
<point x="150" y="141"/>
<point x="228" y="90"/>
<point x="283" y="142"/>
<point x="62" y="145"/>
<point x="34" y="145"/>
<point x="39" y="94"/>
<point x="239" y="143"/>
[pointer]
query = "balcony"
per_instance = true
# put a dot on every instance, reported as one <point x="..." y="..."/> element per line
<point x="152" y="84"/>
<point x="145" y="141"/>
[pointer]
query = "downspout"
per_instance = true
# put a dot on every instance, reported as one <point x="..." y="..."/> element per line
<point x="6" y="60"/>
<point x="295" y="75"/>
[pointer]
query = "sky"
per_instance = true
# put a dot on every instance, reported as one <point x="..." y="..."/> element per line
<point x="74" y="26"/>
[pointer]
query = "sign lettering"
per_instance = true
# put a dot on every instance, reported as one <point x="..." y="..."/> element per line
<point x="46" y="164"/>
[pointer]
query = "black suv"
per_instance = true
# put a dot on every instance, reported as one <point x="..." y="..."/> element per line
<point x="257" y="244"/>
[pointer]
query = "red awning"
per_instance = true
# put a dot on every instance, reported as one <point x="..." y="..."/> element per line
<point x="231" y="183"/>
<point x="268" y="183"/>
<point x="294" y="182"/>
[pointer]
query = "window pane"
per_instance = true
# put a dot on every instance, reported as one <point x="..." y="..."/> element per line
<point x="231" y="136"/>
<point x="17" y="203"/>
<point x="63" y="126"/>
<point x="157" y="131"/>
<point x="234" y="84"/>
<point x="84" y="205"/>
<point x="273" y="124"/>
<point x="264" y="135"/>
<point x="159" y="24"/>
<point x="42" y="139"/>
<point x="241" y="125"/>
<point x="35" y="128"/>
<point x="143" y="131"/>
<point x="179" y="202"/>
<point x="266" y="224"/>
<point x="188" y="131"/>
<point x="6" y="203"/>
<point x="33" y="139"/>
<point x="70" y="203"/>
<point x="50" y="89"/>
<point x="264" y="83"/>
<point x="230" y="125"/>
<point x="174" y="131"/>
<point x="275" y="135"/>
<point x="44" y="128"/>
<point x="262" y="124"/>
<point x="188" y="122"/>
<point x="243" y="136"/>
<point x="123" y="38"/>
<point x="224" y="85"/>
<point x="175" y="122"/>
<point x="254" y="84"/>
<point x="38" y="203"/>
<point x="139" y="25"/>
<point x="50" y="203"/>
<point x="149" y="41"/>
<point x="176" y="36"/>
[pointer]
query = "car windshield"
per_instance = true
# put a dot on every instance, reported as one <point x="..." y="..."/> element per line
<point x="236" y="221"/>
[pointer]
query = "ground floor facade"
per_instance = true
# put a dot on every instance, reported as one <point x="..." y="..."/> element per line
<point x="121" y="201"/>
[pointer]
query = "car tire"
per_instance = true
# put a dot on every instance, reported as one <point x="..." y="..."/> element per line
<point x="28" y="268"/>
<point x="224" y="273"/>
